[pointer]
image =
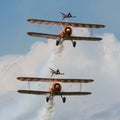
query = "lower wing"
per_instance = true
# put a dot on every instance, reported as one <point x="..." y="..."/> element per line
<point x="75" y="93"/>
<point x="85" y="38"/>
<point x="44" y="35"/>
<point x="33" y="92"/>
<point x="46" y="92"/>
<point x="52" y="36"/>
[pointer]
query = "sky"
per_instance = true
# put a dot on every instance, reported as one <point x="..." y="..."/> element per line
<point x="22" y="55"/>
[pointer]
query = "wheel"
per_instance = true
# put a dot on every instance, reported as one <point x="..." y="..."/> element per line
<point x="57" y="42"/>
<point x="64" y="99"/>
<point x="47" y="99"/>
<point x="74" y="43"/>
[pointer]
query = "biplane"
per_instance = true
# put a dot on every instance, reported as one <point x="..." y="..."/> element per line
<point x="55" y="72"/>
<point x="69" y="15"/>
<point x="66" y="33"/>
<point x="56" y="87"/>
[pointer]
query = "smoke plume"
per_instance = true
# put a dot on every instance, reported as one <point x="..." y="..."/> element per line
<point x="48" y="110"/>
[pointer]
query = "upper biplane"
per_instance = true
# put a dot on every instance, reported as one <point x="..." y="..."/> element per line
<point x="69" y="15"/>
<point x="56" y="88"/>
<point x="55" y="72"/>
<point x="66" y="33"/>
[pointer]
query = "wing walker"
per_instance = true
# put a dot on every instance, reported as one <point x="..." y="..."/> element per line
<point x="56" y="88"/>
<point x="69" y="15"/>
<point x="55" y="72"/>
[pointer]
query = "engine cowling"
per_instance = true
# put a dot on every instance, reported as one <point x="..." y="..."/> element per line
<point x="68" y="31"/>
<point x="57" y="87"/>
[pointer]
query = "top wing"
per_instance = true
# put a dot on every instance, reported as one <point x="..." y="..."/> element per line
<point x="36" y="21"/>
<point x="55" y="80"/>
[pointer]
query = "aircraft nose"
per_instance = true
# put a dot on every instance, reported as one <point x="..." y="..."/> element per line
<point x="67" y="30"/>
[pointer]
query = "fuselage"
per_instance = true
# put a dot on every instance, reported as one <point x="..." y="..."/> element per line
<point x="55" y="89"/>
<point x="66" y="33"/>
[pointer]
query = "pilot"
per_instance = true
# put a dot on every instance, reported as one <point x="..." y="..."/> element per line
<point x="58" y="72"/>
<point x="69" y="14"/>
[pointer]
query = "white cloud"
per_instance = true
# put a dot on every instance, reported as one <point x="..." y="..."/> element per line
<point x="97" y="60"/>
<point x="13" y="66"/>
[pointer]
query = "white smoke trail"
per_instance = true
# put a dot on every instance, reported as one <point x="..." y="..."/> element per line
<point x="56" y="56"/>
<point x="60" y="49"/>
<point x="48" y="110"/>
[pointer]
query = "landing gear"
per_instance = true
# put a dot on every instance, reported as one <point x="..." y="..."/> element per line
<point x="64" y="99"/>
<point x="47" y="99"/>
<point x="57" y="42"/>
<point x="74" y="43"/>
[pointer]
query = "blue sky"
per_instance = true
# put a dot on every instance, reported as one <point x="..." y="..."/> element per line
<point x="14" y="14"/>
<point x="22" y="55"/>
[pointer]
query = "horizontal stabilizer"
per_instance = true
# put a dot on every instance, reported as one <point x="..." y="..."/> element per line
<point x="55" y="80"/>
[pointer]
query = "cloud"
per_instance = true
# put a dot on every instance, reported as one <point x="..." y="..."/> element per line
<point x="97" y="60"/>
<point x="11" y="67"/>
<point x="109" y="112"/>
<point x="47" y="111"/>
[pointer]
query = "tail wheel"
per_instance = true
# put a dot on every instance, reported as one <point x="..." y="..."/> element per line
<point x="47" y="99"/>
<point x="74" y="43"/>
<point x="64" y="99"/>
<point x="57" y="42"/>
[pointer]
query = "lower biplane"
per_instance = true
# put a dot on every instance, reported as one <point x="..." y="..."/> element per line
<point x="69" y="15"/>
<point x="55" y="72"/>
<point x="66" y="33"/>
<point x="56" y="87"/>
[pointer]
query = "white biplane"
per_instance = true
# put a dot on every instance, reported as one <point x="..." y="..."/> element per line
<point x="56" y="87"/>
<point x="66" y="33"/>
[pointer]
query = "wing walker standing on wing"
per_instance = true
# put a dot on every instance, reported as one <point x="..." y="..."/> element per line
<point x="69" y="15"/>
<point x="55" y="72"/>
<point x="66" y="34"/>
